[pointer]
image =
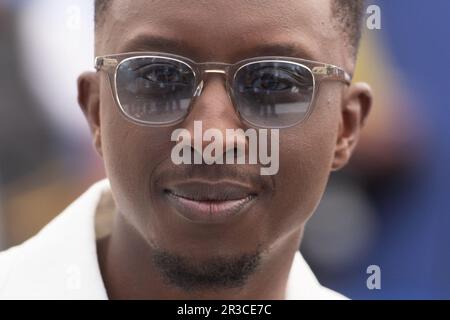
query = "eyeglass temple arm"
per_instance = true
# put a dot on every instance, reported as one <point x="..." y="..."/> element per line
<point x="330" y="72"/>
<point x="105" y="63"/>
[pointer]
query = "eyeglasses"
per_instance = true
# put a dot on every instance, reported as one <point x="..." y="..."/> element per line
<point x="159" y="89"/>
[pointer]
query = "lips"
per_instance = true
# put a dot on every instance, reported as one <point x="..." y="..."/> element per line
<point x="207" y="202"/>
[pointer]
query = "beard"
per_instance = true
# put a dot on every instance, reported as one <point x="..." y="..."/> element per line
<point x="214" y="273"/>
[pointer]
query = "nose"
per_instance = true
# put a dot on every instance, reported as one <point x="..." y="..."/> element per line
<point x="214" y="109"/>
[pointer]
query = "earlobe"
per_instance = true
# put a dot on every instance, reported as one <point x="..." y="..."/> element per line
<point x="356" y="106"/>
<point x="89" y="101"/>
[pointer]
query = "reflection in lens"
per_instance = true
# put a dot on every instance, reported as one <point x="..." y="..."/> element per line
<point x="273" y="94"/>
<point x="155" y="89"/>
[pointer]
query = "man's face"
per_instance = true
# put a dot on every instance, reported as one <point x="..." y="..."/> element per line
<point x="138" y="159"/>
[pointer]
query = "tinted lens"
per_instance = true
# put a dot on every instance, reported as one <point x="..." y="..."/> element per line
<point x="273" y="94"/>
<point x="155" y="90"/>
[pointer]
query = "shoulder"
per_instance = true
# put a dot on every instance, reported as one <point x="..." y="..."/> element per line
<point x="12" y="263"/>
<point x="51" y="264"/>
<point x="328" y="294"/>
<point x="8" y="259"/>
<point x="303" y="284"/>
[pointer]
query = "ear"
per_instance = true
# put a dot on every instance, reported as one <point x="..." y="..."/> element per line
<point x="89" y="101"/>
<point x="356" y="105"/>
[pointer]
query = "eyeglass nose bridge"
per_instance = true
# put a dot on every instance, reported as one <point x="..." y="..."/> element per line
<point x="206" y="68"/>
<point x="214" y="67"/>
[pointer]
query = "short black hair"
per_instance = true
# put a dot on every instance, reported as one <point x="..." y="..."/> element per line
<point x="348" y="13"/>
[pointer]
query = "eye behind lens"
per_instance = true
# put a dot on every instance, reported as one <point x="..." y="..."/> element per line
<point x="154" y="89"/>
<point x="273" y="93"/>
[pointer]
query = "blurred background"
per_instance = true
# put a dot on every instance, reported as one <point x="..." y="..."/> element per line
<point x="390" y="207"/>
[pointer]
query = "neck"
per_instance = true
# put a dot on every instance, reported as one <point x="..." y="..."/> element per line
<point x="128" y="270"/>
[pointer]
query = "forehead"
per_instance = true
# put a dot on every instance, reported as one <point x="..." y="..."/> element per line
<point x="207" y="30"/>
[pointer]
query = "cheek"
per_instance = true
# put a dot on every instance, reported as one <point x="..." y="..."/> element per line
<point x="306" y="155"/>
<point x="131" y="153"/>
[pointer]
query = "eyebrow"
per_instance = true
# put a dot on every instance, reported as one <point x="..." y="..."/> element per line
<point x="180" y="47"/>
<point x="157" y="43"/>
<point x="288" y="49"/>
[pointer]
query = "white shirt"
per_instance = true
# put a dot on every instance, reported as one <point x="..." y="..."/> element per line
<point x="60" y="262"/>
